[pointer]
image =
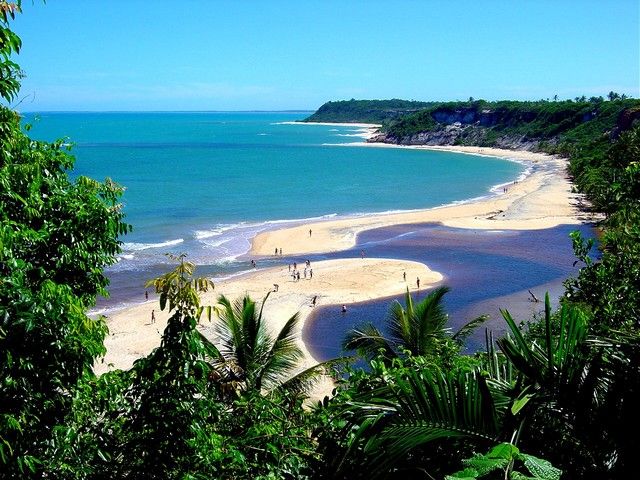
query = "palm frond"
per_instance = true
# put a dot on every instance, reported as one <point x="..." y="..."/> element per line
<point x="283" y="356"/>
<point x="228" y="331"/>
<point x="304" y="381"/>
<point x="250" y="324"/>
<point x="208" y="349"/>
<point x="399" y="321"/>
<point x="467" y="329"/>
<point x="368" y="341"/>
<point x="431" y="319"/>
<point x="420" y="409"/>
<point x="558" y="365"/>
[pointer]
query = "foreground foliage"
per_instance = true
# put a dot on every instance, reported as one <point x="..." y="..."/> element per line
<point x="56" y="237"/>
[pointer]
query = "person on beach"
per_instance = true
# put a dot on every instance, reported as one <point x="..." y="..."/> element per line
<point x="313" y="302"/>
<point x="276" y="252"/>
<point x="418" y="282"/>
<point x="275" y="287"/>
<point x="153" y="316"/>
<point x="404" y="276"/>
<point x="253" y="263"/>
<point x="310" y="273"/>
<point x="309" y="232"/>
<point x="295" y="266"/>
<point x="289" y="268"/>
<point x="362" y="254"/>
<point x="146" y="295"/>
<point x="298" y="276"/>
<point x="280" y="252"/>
<point x="305" y="272"/>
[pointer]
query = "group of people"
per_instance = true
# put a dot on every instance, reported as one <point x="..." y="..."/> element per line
<point x="307" y="272"/>
<point x="277" y="251"/>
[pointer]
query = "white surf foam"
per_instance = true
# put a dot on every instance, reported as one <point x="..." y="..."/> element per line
<point x="136" y="247"/>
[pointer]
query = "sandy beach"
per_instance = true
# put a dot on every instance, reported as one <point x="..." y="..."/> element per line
<point x="541" y="200"/>
<point x="332" y="282"/>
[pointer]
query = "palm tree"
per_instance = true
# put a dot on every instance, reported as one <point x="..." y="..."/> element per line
<point x="418" y="328"/>
<point x="247" y="357"/>
<point x="563" y="373"/>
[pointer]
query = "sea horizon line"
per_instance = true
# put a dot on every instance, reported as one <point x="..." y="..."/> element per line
<point x="170" y="111"/>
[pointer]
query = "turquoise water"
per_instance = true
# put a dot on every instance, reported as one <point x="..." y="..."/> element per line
<point x="206" y="183"/>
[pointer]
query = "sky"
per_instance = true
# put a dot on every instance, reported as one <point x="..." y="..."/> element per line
<point x="155" y="55"/>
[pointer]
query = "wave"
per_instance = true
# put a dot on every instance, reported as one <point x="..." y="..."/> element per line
<point x="499" y="188"/>
<point x="225" y="243"/>
<point x="308" y="219"/>
<point x="218" y="230"/>
<point x="349" y="144"/>
<point x="136" y="247"/>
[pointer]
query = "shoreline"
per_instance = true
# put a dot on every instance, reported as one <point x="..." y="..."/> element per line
<point x="542" y="199"/>
<point x="336" y="124"/>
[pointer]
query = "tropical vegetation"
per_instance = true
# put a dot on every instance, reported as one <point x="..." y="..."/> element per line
<point x="557" y="397"/>
<point x="366" y="111"/>
<point x="419" y="329"/>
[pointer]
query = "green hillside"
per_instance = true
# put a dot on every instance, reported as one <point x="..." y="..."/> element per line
<point x="555" y="127"/>
<point x="366" y="111"/>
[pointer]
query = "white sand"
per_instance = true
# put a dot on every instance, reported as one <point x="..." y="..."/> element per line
<point x="334" y="282"/>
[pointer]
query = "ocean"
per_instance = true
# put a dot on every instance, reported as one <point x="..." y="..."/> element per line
<point x="205" y="183"/>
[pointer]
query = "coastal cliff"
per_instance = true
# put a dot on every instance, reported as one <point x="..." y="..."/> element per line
<point x="553" y="127"/>
<point x="457" y="133"/>
<point x="557" y="127"/>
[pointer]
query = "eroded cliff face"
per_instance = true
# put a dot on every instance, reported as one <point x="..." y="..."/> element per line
<point x="457" y="133"/>
<point x="467" y="126"/>
<point x="513" y="125"/>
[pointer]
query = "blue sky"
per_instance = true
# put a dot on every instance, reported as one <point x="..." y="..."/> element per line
<point x="276" y="55"/>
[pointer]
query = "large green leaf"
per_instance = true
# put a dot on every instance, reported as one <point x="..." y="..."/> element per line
<point x="422" y="408"/>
